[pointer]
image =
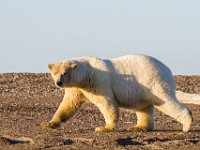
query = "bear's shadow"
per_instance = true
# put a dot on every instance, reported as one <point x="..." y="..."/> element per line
<point x="127" y="141"/>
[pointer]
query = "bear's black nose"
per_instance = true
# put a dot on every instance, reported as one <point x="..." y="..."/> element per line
<point x="59" y="83"/>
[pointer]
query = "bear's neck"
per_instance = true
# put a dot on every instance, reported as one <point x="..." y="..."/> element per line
<point x="83" y="76"/>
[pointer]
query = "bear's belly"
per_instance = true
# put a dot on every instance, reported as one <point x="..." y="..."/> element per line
<point x="136" y="105"/>
<point x="130" y="96"/>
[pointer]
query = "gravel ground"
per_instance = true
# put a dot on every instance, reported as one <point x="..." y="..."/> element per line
<point x="28" y="99"/>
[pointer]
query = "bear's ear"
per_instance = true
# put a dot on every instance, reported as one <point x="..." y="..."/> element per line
<point x="73" y="66"/>
<point x="50" y="66"/>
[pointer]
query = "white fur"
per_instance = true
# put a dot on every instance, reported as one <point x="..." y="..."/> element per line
<point x="136" y="82"/>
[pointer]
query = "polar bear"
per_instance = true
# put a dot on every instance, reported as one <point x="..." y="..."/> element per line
<point x="137" y="82"/>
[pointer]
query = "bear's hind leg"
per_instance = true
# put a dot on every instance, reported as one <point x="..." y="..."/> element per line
<point x="178" y="111"/>
<point x="145" y="120"/>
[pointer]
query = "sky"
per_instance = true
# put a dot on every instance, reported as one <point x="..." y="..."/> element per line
<point x="34" y="33"/>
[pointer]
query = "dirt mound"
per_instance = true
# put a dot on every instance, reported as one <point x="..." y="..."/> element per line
<point x="27" y="100"/>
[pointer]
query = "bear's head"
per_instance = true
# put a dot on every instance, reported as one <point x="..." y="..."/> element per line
<point x="62" y="73"/>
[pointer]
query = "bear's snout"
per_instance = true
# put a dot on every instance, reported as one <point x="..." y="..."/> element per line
<point x="59" y="83"/>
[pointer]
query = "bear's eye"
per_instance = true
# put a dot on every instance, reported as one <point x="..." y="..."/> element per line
<point x="65" y="73"/>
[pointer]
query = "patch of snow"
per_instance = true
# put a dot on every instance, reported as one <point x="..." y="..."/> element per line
<point x="188" y="98"/>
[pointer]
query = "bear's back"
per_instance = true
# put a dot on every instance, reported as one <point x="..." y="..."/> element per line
<point x="141" y="66"/>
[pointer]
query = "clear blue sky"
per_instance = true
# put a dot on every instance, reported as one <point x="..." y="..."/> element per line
<point x="34" y="33"/>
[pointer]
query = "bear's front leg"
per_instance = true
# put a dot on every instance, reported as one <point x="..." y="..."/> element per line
<point x="68" y="107"/>
<point x="57" y="118"/>
<point x="109" y="108"/>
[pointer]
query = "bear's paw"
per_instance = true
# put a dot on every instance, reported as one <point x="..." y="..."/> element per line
<point x="103" y="129"/>
<point x="51" y="125"/>
<point x="139" y="129"/>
